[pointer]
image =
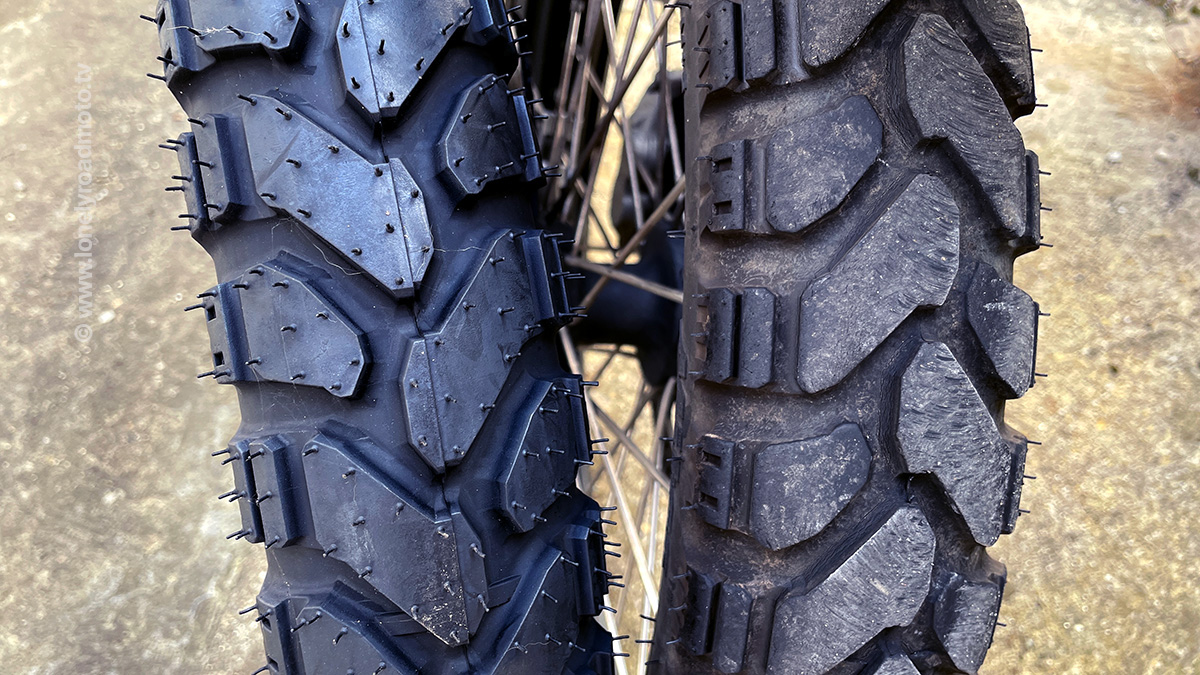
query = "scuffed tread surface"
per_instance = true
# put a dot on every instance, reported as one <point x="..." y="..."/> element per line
<point x="830" y="28"/>
<point x="952" y="98"/>
<point x="732" y="628"/>
<point x="740" y="340"/>
<point x="1032" y="238"/>
<point x="895" y="664"/>
<point x="719" y="623"/>
<point x="945" y="429"/>
<point x="381" y="531"/>
<point x="965" y="617"/>
<point x="715" y="486"/>
<point x="1005" y="320"/>
<point x="882" y="584"/>
<point x="820" y="157"/>
<point x="800" y="486"/>
<point x="1003" y="25"/>
<point x="908" y="259"/>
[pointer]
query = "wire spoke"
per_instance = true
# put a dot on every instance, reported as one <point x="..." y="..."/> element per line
<point x="606" y="69"/>
<point x="564" y="88"/>
<point x="638" y="237"/>
<point x="636" y="452"/>
<point x="672" y="294"/>
<point x="622" y="88"/>
<point x="644" y="394"/>
<point x="604" y="366"/>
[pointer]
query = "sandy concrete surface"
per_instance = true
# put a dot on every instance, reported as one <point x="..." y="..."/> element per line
<point x="112" y="549"/>
<point x="1103" y="574"/>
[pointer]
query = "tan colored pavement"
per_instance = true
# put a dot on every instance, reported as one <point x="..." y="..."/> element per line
<point x="1103" y="574"/>
<point x="112" y="550"/>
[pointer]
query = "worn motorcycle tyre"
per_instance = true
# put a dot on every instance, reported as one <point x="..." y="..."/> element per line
<point x="856" y="197"/>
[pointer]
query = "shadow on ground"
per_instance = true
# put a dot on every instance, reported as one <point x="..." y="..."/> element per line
<point x="114" y="553"/>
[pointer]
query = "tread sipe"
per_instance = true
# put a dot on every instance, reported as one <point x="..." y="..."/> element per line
<point x="857" y="196"/>
<point x="363" y="176"/>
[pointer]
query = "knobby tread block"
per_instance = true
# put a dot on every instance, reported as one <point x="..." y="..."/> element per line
<point x="819" y="158"/>
<point x="372" y="213"/>
<point x="584" y="552"/>
<point x="756" y="344"/>
<point x="346" y="498"/>
<point x="285" y="316"/>
<point x="894" y="664"/>
<point x="721" y="42"/>
<point x="702" y="590"/>
<point x="1005" y="320"/>
<point x="780" y="493"/>
<point x="381" y="72"/>
<point x="379" y="76"/>
<point x="965" y="616"/>
<point x="224" y="167"/>
<point x="341" y="630"/>
<point x="214" y="171"/>
<point x="882" y="584"/>
<point x="720" y="341"/>
<point x="1032" y="238"/>
<point x="193" y="37"/>
<point x="274" y="622"/>
<point x="245" y="493"/>
<point x="408" y="550"/>
<point x="908" y="259"/>
<point x="594" y="655"/>
<point x="732" y="628"/>
<point x="1019" y="446"/>
<point x="273" y="324"/>
<point x="489" y="138"/>
<point x="945" y="429"/>
<point x="550" y="627"/>
<point x="829" y="28"/>
<point x="740" y="339"/>
<point x="718" y="622"/>
<point x="715" y="489"/>
<point x="192" y="184"/>
<point x="738" y="43"/>
<point x="275" y="489"/>
<point x="491" y="319"/>
<point x="1002" y="24"/>
<point x="799" y="487"/>
<point x="547" y="441"/>
<point x="952" y="99"/>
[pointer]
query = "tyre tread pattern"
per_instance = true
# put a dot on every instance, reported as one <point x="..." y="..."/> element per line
<point x="387" y="312"/>
<point x="859" y="167"/>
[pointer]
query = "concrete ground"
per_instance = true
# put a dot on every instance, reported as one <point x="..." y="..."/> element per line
<point x="112" y="549"/>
